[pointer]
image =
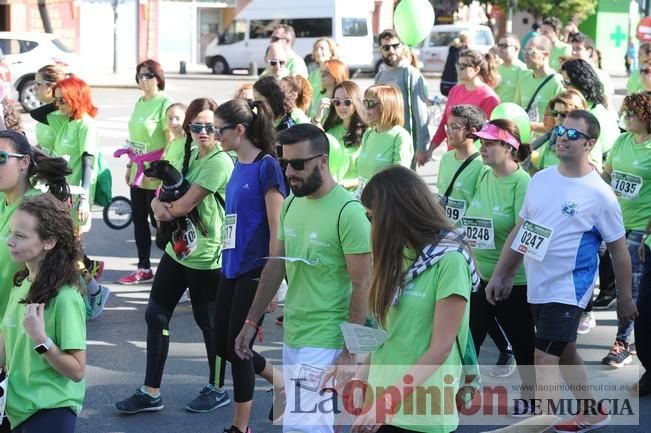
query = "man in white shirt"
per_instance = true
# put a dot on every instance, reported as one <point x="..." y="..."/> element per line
<point x="567" y="212"/>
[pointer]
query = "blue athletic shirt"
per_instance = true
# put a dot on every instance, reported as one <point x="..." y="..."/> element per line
<point x="245" y="198"/>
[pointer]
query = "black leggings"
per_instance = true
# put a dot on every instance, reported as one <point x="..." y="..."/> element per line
<point x="141" y="210"/>
<point x="169" y="284"/>
<point x="514" y="316"/>
<point x="60" y="420"/>
<point x="234" y="299"/>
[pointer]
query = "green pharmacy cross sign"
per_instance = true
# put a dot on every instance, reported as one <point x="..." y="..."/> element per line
<point x="618" y="36"/>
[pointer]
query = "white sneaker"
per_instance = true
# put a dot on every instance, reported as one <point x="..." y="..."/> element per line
<point x="587" y="322"/>
<point x="185" y="298"/>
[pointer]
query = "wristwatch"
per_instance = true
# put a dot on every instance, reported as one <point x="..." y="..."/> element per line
<point x="43" y="347"/>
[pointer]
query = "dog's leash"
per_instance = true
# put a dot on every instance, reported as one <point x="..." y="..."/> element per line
<point x="139" y="160"/>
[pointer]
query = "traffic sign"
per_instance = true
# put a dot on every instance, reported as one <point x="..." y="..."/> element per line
<point x="644" y="30"/>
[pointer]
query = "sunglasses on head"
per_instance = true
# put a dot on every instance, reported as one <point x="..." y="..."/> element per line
<point x="563" y="114"/>
<point x="297" y="164"/>
<point x="572" y="134"/>
<point x="370" y="104"/>
<point x="197" y="128"/>
<point x="277" y="62"/>
<point x="388" y="47"/>
<point x="146" y="75"/>
<point x="4" y="156"/>
<point x="345" y="102"/>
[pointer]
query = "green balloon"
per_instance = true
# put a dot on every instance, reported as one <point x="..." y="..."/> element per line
<point x="413" y="20"/>
<point x="516" y="114"/>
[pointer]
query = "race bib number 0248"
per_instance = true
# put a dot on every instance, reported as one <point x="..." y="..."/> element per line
<point x="479" y="232"/>
<point x="532" y="240"/>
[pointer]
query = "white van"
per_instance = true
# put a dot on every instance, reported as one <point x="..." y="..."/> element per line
<point x="434" y="50"/>
<point x="245" y="40"/>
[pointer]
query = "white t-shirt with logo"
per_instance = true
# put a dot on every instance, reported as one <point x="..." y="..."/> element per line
<point x="580" y="212"/>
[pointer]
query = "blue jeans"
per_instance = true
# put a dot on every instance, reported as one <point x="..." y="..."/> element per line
<point x="633" y="240"/>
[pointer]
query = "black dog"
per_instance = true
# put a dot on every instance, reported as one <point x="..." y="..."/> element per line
<point x="173" y="188"/>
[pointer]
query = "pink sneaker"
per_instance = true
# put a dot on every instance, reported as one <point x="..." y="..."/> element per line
<point x="579" y="424"/>
<point x="141" y="276"/>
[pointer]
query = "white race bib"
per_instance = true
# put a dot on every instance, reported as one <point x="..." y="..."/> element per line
<point x="137" y="148"/>
<point x="184" y="243"/>
<point x="230" y="231"/>
<point x="625" y="185"/>
<point x="455" y="209"/>
<point x="532" y="240"/>
<point x="479" y="232"/>
<point x="533" y="113"/>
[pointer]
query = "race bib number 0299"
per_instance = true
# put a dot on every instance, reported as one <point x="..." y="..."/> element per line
<point x="532" y="240"/>
<point x="625" y="185"/>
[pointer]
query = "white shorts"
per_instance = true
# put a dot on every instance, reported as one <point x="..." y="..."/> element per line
<point x="307" y="410"/>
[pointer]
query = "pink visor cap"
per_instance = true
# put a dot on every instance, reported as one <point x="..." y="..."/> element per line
<point x="492" y="132"/>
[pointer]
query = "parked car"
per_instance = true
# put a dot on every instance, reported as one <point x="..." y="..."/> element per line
<point x="434" y="49"/>
<point x="25" y="53"/>
<point x="247" y="37"/>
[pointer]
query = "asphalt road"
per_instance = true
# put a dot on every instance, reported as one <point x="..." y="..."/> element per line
<point x="116" y="340"/>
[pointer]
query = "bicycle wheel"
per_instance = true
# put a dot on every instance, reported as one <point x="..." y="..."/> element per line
<point x="118" y="215"/>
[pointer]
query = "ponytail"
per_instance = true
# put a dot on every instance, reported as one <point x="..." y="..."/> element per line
<point x="50" y="171"/>
<point x="488" y="70"/>
<point x="187" y="150"/>
<point x="523" y="152"/>
<point x="261" y="131"/>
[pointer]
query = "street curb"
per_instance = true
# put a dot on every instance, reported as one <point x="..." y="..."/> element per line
<point x="201" y="77"/>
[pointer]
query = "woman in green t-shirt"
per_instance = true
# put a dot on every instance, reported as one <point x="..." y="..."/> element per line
<point x="347" y="123"/>
<point x="191" y="260"/>
<point x="493" y="212"/>
<point x="333" y="72"/>
<point x="386" y="142"/>
<point x="45" y="79"/>
<point x="324" y="49"/>
<point x="43" y="334"/>
<point x="21" y="167"/>
<point x="420" y="291"/>
<point x="175" y="149"/>
<point x="147" y="134"/>
<point x="299" y="93"/>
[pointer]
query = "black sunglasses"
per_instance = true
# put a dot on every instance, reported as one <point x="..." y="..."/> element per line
<point x="387" y="47"/>
<point x="278" y="38"/>
<point x="505" y="46"/>
<point x="297" y="164"/>
<point x="196" y="128"/>
<point x="4" y="156"/>
<point x="276" y="62"/>
<point x="572" y="134"/>
<point x="370" y="104"/>
<point x="563" y="114"/>
<point x="218" y="131"/>
<point x="346" y="102"/>
<point x="146" y="75"/>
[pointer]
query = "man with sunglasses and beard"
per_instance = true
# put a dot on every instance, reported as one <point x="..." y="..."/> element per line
<point x="414" y="92"/>
<point x="324" y="249"/>
<point x="566" y="214"/>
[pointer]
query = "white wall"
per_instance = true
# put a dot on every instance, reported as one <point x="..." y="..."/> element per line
<point x="96" y="36"/>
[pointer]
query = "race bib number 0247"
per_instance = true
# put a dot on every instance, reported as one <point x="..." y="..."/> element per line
<point x="532" y="240"/>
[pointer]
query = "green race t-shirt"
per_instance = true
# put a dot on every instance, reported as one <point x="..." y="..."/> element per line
<point x="381" y="149"/>
<point x="74" y="137"/>
<point x="350" y="153"/>
<point x="464" y="186"/>
<point x="7" y="266"/>
<point x="318" y="297"/>
<point x="527" y="87"/>
<point x="211" y="172"/>
<point x="33" y="383"/>
<point x="338" y="162"/>
<point x="299" y="116"/>
<point x="631" y="180"/>
<point x="175" y="152"/>
<point x="147" y="127"/>
<point x="510" y="75"/>
<point x="496" y="209"/>
<point x="634" y="83"/>
<point x="315" y="81"/>
<point x="561" y="49"/>
<point x="409" y="329"/>
<point x="45" y="136"/>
